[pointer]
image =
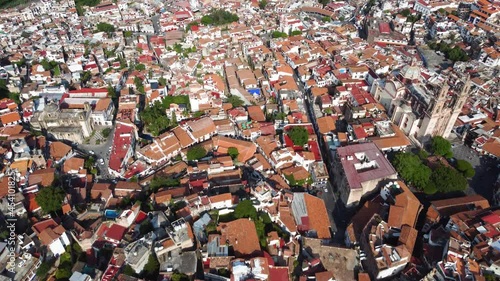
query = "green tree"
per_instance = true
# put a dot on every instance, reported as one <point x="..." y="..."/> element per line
<point x="179" y="277"/>
<point x="235" y="101"/>
<point x="441" y="147"/>
<point x="151" y="268"/>
<point x="86" y="76"/>
<point x="233" y="152"/>
<point x="281" y="115"/>
<point x="219" y="17"/>
<point x="278" y="34"/>
<point x="262" y="4"/>
<point x="140" y="67"/>
<point x="422" y="154"/>
<point x="162" y="81"/>
<point x="146" y="227"/>
<point x="89" y="163"/>
<point x="196" y="152"/>
<point x="324" y="2"/>
<point x="46" y="65"/>
<point x="260" y="228"/>
<point x="447" y="179"/>
<point x="465" y="168"/>
<point x="299" y="135"/>
<point x="457" y="54"/>
<point x="326" y="19"/>
<point x="160" y="182"/>
<point x="44" y="269"/>
<point x="155" y="119"/>
<point x="63" y="273"/>
<point x="245" y="209"/>
<point x="79" y="10"/>
<point x="405" y="12"/>
<point x="128" y="270"/>
<point x="111" y="91"/>
<point x="127" y="34"/>
<point x="50" y="198"/>
<point x="412" y="170"/>
<point x="139" y="85"/>
<point x="105" y="27"/>
<point x="295" y="32"/>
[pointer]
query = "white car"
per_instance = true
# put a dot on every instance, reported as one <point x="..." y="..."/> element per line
<point x="101" y="161"/>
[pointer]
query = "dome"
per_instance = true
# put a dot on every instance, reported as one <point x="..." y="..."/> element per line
<point x="51" y="107"/>
<point x="410" y="72"/>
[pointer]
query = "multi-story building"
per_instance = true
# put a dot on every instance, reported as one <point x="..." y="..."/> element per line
<point x="359" y="170"/>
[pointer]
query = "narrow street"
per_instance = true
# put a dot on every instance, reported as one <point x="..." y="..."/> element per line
<point x="337" y="219"/>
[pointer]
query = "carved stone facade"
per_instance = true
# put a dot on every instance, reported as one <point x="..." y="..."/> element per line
<point x="423" y="109"/>
<point x="66" y="124"/>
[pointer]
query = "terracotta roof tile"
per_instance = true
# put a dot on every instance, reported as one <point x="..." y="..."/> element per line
<point x="256" y="113"/>
<point x="11" y="117"/>
<point x="73" y="164"/>
<point x="242" y="235"/>
<point x="318" y="216"/>
<point x="184" y="139"/>
<point x="246" y="149"/>
<point x="59" y="149"/>
<point x="406" y="209"/>
<point x="202" y="127"/>
<point x="44" y="177"/>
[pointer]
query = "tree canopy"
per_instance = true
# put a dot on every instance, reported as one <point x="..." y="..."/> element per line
<point x="219" y="17"/>
<point x="44" y="269"/>
<point x="179" y="277"/>
<point x="441" y="147"/>
<point x="105" y="27"/>
<point x="245" y="209"/>
<point x="139" y="85"/>
<point x="465" y="168"/>
<point x="262" y="4"/>
<point x="50" y="199"/>
<point x="151" y="268"/>
<point x="48" y="65"/>
<point x="454" y="54"/>
<point x="155" y="119"/>
<point x="299" y="135"/>
<point x="412" y="170"/>
<point x="279" y="34"/>
<point x="233" y="152"/>
<point x="324" y="2"/>
<point x="128" y="270"/>
<point x="140" y="67"/>
<point x="160" y="182"/>
<point x="196" y="152"/>
<point x="295" y="32"/>
<point x="162" y="81"/>
<point x="447" y="179"/>
<point x="235" y="101"/>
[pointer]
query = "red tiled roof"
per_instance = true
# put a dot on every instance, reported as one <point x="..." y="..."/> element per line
<point x="278" y="273"/>
<point x="121" y="143"/>
<point x="493" y="218"/>
<point x="115" y="232"/>
<point x="356" y="178"/>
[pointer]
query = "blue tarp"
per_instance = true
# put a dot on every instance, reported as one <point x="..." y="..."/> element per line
<point x="254" y="91"/>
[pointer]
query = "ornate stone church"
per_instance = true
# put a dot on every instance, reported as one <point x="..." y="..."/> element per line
<point x="423" y="105"/>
